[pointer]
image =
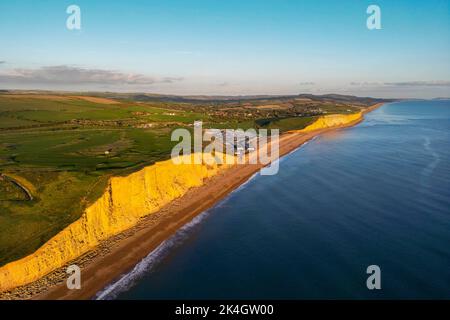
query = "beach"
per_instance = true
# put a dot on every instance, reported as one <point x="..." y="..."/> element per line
<point x="126" y="250"/>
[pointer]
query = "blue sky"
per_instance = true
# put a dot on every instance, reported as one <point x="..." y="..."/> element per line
<point x="228" y="47"/>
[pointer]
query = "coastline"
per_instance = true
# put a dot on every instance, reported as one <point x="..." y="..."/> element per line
<point x="121" y="253"/>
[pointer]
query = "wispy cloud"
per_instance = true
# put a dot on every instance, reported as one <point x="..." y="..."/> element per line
<point x="366" y="84"/>
<point x="437" y="83"/>
<point x="2" y="62"/>
<point x="433" y="83"/>
<point x="64" y="74"/>
<point x="307" y="84"/>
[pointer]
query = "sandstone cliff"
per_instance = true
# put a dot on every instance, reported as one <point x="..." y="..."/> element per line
<point x="124" y="202"/>
<point x="332" y="120"/>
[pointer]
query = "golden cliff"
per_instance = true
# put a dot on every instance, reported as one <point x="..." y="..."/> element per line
<point x="333" y="120"/>
<point x="124" y="202"/>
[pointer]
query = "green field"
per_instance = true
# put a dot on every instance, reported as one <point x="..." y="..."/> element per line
<point x="69" y="162"/>
<point x="66" y="148"/>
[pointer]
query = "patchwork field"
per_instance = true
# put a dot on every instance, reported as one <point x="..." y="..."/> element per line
<point x="57" y="151"/>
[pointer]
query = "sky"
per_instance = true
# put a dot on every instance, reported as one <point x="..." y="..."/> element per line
<point x="231" y="47"/>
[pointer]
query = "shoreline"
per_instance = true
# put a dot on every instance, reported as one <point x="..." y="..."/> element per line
<point x="119" y="254"/>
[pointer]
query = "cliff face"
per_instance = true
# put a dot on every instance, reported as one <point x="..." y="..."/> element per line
<point x="125" y="201"/>
<point x="332" y="120"/>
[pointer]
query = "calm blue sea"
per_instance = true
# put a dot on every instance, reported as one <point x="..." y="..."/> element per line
<point x="374" y="194"/>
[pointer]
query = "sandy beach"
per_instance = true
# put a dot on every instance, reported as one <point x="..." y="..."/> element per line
<point x="135" y="244"/>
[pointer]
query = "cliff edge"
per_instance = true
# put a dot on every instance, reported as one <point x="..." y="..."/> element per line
<point x="124" y="202"/>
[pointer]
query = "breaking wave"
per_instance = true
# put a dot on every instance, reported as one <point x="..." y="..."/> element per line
<point x="129" y="279"/>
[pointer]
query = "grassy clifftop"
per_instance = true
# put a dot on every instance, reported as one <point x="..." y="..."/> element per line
<point x="150" y="189"/>
<point x="67" y="146"/>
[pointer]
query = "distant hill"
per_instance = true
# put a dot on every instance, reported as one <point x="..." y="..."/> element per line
<point x="213" y="99"/>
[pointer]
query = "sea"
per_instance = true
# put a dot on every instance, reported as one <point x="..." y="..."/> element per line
<point x="357" y="213"/>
